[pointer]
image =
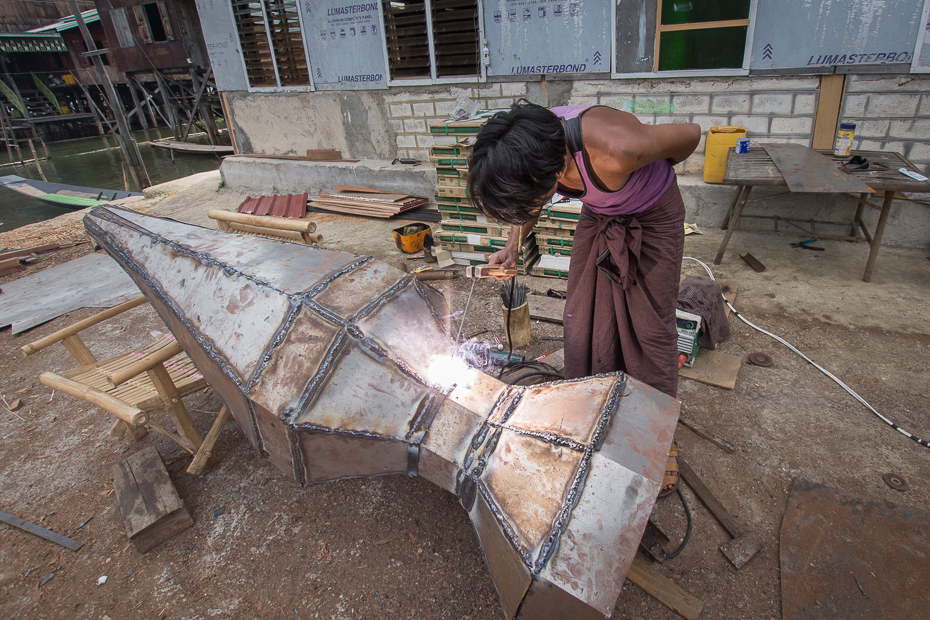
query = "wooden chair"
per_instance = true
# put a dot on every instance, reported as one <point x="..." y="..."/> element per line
<point x="285" y="229"/>
<point x="132" y="385"/>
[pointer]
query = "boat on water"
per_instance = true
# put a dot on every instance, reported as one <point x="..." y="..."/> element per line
<point x="62" y="195"/>
<point x="191" y="147"/>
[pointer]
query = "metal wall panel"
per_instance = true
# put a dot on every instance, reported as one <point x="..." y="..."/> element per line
<point x="219" y="33"/>
<point x="636" y="36"/>
<point x="793" y="34"/>
<point x="345" y="42"/>
<point x="551" y="37"/>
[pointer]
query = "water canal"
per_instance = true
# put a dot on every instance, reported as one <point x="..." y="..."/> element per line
<point x="91" y="162"/>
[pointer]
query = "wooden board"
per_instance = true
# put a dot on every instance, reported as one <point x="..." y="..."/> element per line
<point x="714" y="368"/>
<point x="664" y="590"/>
<point x="546" y="308"/>
<point x="828" y="110"/>
<point x="152" y="509"/>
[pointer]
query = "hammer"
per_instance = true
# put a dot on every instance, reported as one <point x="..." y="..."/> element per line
<point x="743" y="546"/>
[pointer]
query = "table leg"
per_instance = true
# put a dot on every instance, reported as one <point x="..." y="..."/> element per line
<point x="726" y="220"/>
<point x="859" y="208"/>
<point x="876" y="242"/>
<point x="733" y="221"/>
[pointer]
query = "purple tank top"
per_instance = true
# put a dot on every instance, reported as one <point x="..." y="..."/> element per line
<point x="641" y="191"/>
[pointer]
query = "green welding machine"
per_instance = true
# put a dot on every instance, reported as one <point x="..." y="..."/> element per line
<point x="689" y="327"/>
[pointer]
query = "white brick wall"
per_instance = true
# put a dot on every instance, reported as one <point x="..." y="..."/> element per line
<point x="891" y="112"/>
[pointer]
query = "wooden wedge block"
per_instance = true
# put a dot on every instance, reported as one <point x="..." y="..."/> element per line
<point x="151" y="507"/>
<point x="546" y="308"/>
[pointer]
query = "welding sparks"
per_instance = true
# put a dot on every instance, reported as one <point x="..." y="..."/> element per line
<point x="460" y="368"/>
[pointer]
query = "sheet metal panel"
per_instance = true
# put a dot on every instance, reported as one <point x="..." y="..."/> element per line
<point x="222" y="40"/>
<point x="445" y="445"/>
<point x="406" y="328"/>
<point x="350" y="293"/>
<point x="227" y="316"/>
<point x="293" y="362"/>
<point x="792" y="34"/>
<point x="276" y="440"/>
<point x="599" y="544"/>
<point x="806" y="170"/>
<point x="288" y="267"/>
<point x="327" y="457"/>
<point x="510" y="575"/>
<point x="636" y="36"/>
<point x="564" y="409"/>
<point x="345" y="42"/>
<point x="642" y="430"/>
<point x="548" y="36"/>
<point x="365" y="395"/>
<point x="851" y="557"/>
<point x="529" y="481"/>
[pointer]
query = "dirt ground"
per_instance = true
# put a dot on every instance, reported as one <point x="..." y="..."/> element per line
<point x="398" y="547"/>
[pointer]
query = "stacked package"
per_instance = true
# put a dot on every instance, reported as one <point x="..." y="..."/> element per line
<point x="554" y="233"/>
<point x="465" y="232"/>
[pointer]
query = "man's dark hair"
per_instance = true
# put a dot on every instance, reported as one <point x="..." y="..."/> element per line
<point x="515" y="162"/>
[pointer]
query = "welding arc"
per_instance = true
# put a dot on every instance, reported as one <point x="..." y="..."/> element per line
<point x="922" y="442"/>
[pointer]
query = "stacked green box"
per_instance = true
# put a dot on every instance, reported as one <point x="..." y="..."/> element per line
<point x="554" y="232"/>
<point x="466" y="232"/>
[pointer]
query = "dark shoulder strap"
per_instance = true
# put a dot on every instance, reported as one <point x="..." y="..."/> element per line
<point x="572" y="128"/>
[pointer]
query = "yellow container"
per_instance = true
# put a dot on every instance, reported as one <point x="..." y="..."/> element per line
<point x="719" y="141"/>
<point x="69" y="79"/>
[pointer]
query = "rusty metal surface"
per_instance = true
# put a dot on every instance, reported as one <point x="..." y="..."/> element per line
<point x="337" y="366"/>
<point x="542" y="472"/>
<point x="742" y="549"/>
<point x="806" y="170"/>
<point x="833" y="543"/>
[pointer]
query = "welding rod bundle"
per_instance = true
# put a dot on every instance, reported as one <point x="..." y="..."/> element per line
<point x="516" y="313"/>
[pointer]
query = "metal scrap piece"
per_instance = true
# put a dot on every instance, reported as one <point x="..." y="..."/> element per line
<point x="312" y="352"/>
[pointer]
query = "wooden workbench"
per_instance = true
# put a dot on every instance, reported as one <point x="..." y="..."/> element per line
<point x="756" y="168"/>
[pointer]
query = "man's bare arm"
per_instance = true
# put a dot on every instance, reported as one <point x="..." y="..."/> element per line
<point x="507" y="257"/>
<point x="619" y="143"/>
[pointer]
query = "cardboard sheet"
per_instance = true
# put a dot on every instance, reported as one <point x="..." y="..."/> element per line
<point x="714" y="368"/>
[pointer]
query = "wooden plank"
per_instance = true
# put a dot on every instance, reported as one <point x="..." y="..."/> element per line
<point x="546" y="308"/>
<point x="152" y="510"/>
<point x="664" y="590"/>
<point x="714" y="368"/>
<point x="41" y="532"/>
<point x="713" y="504"/>
<point x="828" y="110"/>
<point x="324" y="155"/>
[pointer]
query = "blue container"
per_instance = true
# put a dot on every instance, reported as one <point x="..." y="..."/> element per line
<point x="742" y="145"/>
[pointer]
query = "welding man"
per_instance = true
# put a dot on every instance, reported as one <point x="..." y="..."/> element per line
<point x="628" y="244"/>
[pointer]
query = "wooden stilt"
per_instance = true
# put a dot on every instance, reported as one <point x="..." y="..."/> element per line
<point x="35" y="156"/>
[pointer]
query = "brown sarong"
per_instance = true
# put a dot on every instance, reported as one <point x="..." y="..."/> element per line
<point x="622" y="292"/>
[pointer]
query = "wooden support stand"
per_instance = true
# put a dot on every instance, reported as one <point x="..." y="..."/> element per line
<point x="151" y="507"/>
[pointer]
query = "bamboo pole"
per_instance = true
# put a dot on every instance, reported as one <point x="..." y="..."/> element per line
<point x="206" y="448"/>
<point x="303" y="226"/>
<point x="159" y="357"/>
<point x="125" y="412"/>
<point x="32" y="147"/>
<point x="61" y="334"/>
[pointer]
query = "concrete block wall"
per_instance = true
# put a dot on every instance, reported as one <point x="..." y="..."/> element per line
<point x="771" y="109"/>
<point x="892" y="113"/>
